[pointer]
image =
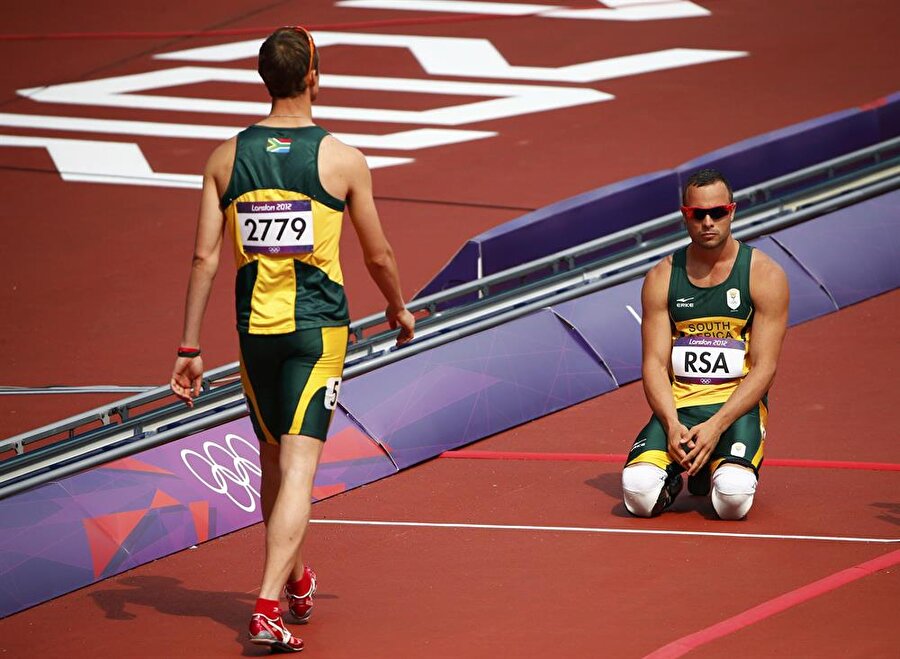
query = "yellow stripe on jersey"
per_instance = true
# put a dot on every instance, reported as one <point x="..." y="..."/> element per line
<point x="721" y="327"/>
<point x="327" y="223"/>
<point x="273" y="296"/>
<point x="659" y="458"/>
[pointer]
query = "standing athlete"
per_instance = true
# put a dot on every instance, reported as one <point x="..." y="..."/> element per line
<point x="279" y="189"/>
<point x="714" y="317"/>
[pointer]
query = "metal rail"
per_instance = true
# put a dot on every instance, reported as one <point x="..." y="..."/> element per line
<point x="141" y="421"/>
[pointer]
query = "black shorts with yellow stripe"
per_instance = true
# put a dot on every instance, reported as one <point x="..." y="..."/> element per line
<point x="742" y="443"/>
<point x="292" y="380"/>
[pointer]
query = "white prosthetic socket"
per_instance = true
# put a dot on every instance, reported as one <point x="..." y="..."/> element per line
<point x="641" y="486"/>
<point x="732" y="491"/>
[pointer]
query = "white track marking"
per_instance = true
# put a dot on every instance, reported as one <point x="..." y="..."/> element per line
<point x="123" y="163"/>
<point x="633" y="313"/>
<point x="583" y="529"/>
<point x="478" y="58"/>
<point x="506" y="100"/>
<point x="452" y="6"/>
<point x="406" y="140"/>
<point x="614" y="10"/>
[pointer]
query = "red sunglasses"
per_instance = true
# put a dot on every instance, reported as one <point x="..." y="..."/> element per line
<point x="716" y="212"/>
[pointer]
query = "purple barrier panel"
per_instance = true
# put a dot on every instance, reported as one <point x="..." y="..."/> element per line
<point x="887" y="112"/>
<point x="853" y="252"/>
<point x="609" y="320"/>
<point x="476" y="386"/>
<point x="577" y="220"/>
<point x="350" y="458"/>
<point x="808" y="297"/>
<point x="101" y="522"/>
<point x="788" y="149"/>
<point x="460" y="269"/>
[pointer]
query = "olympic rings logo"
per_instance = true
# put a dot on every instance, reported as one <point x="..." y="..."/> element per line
<point x="219" y="478"/>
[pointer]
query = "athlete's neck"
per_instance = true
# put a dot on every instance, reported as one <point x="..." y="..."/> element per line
<point x="710" y="267"/>
<point x="290" y="112"/>
<point x="725" y="252"/>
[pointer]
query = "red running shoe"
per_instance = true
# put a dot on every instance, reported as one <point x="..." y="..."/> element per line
<point x="273" y="633"/>
<point x="299" y="605"/>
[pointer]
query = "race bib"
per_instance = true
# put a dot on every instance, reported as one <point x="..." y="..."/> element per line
<point x="332" y="388"/>
<point x="707" y="359"/>
<point x="276" y="227"/>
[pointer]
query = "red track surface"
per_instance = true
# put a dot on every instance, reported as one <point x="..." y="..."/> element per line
<point x="100" y="302"/>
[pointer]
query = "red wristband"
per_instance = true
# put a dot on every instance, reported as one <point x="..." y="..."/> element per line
<point x="185" y="351"/>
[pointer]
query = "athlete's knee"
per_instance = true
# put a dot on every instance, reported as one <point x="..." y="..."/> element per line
<point x="299" y="456"/>
<point x="642" y="484"/>
<point x="733" y="488"/>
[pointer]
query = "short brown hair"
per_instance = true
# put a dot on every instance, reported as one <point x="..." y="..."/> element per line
<point x="284" y="62"/>
<point x="703" y="178"/>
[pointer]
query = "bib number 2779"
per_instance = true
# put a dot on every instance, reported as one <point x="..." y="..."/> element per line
<point x="276" y="227"/>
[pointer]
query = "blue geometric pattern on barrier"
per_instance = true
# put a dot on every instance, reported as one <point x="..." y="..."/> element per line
<point x="100" y="522"/>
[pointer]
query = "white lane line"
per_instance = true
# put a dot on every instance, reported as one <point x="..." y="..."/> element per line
<point x="582" y="529"/>
<point x="633" y="313"/>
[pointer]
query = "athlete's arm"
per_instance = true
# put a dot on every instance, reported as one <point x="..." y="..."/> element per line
<point x="769" y="292"/>
<point x="656" y="347"/>
<point x="188" y="372"/>
<point x="377" y="252"/>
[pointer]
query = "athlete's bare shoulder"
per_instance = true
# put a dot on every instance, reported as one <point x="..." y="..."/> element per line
<point x="762" y="262"/>
<point x="660" y="271"/>
<point x="342" y="168"/>
<point x="220" y="163"/>
<point x="764" y="268"/>
<point x="767" y="279"/>
<point x="656" y="283"/>
<point x="340" y="154"/>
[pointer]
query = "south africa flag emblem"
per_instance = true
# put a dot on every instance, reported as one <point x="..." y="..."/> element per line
<point x="278" y="145"/>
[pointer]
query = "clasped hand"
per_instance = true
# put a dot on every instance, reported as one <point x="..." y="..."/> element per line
<point x="693" y="448"/>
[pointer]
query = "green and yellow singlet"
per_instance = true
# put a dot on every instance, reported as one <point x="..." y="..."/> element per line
<point x="710" y="332"/>
<point x="286" y="231"/>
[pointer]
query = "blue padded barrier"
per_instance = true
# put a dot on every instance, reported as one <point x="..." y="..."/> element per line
<point x="461" y="269"/>
<point x="609" y="321"/>
<point x="789" y="149"/>
<point x="887" y="111"/>
<point x="577" y="220"/>
<point x="474" y="387"/>
<point x="600" y="212"/>
<point x="854" y="252"/>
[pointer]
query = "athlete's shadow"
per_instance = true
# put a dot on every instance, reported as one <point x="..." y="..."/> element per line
<point x="611" y="485"/>
<point x="169" y="597"/>
<point x="891" y="512"/>
<point x="688" y="503"/>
